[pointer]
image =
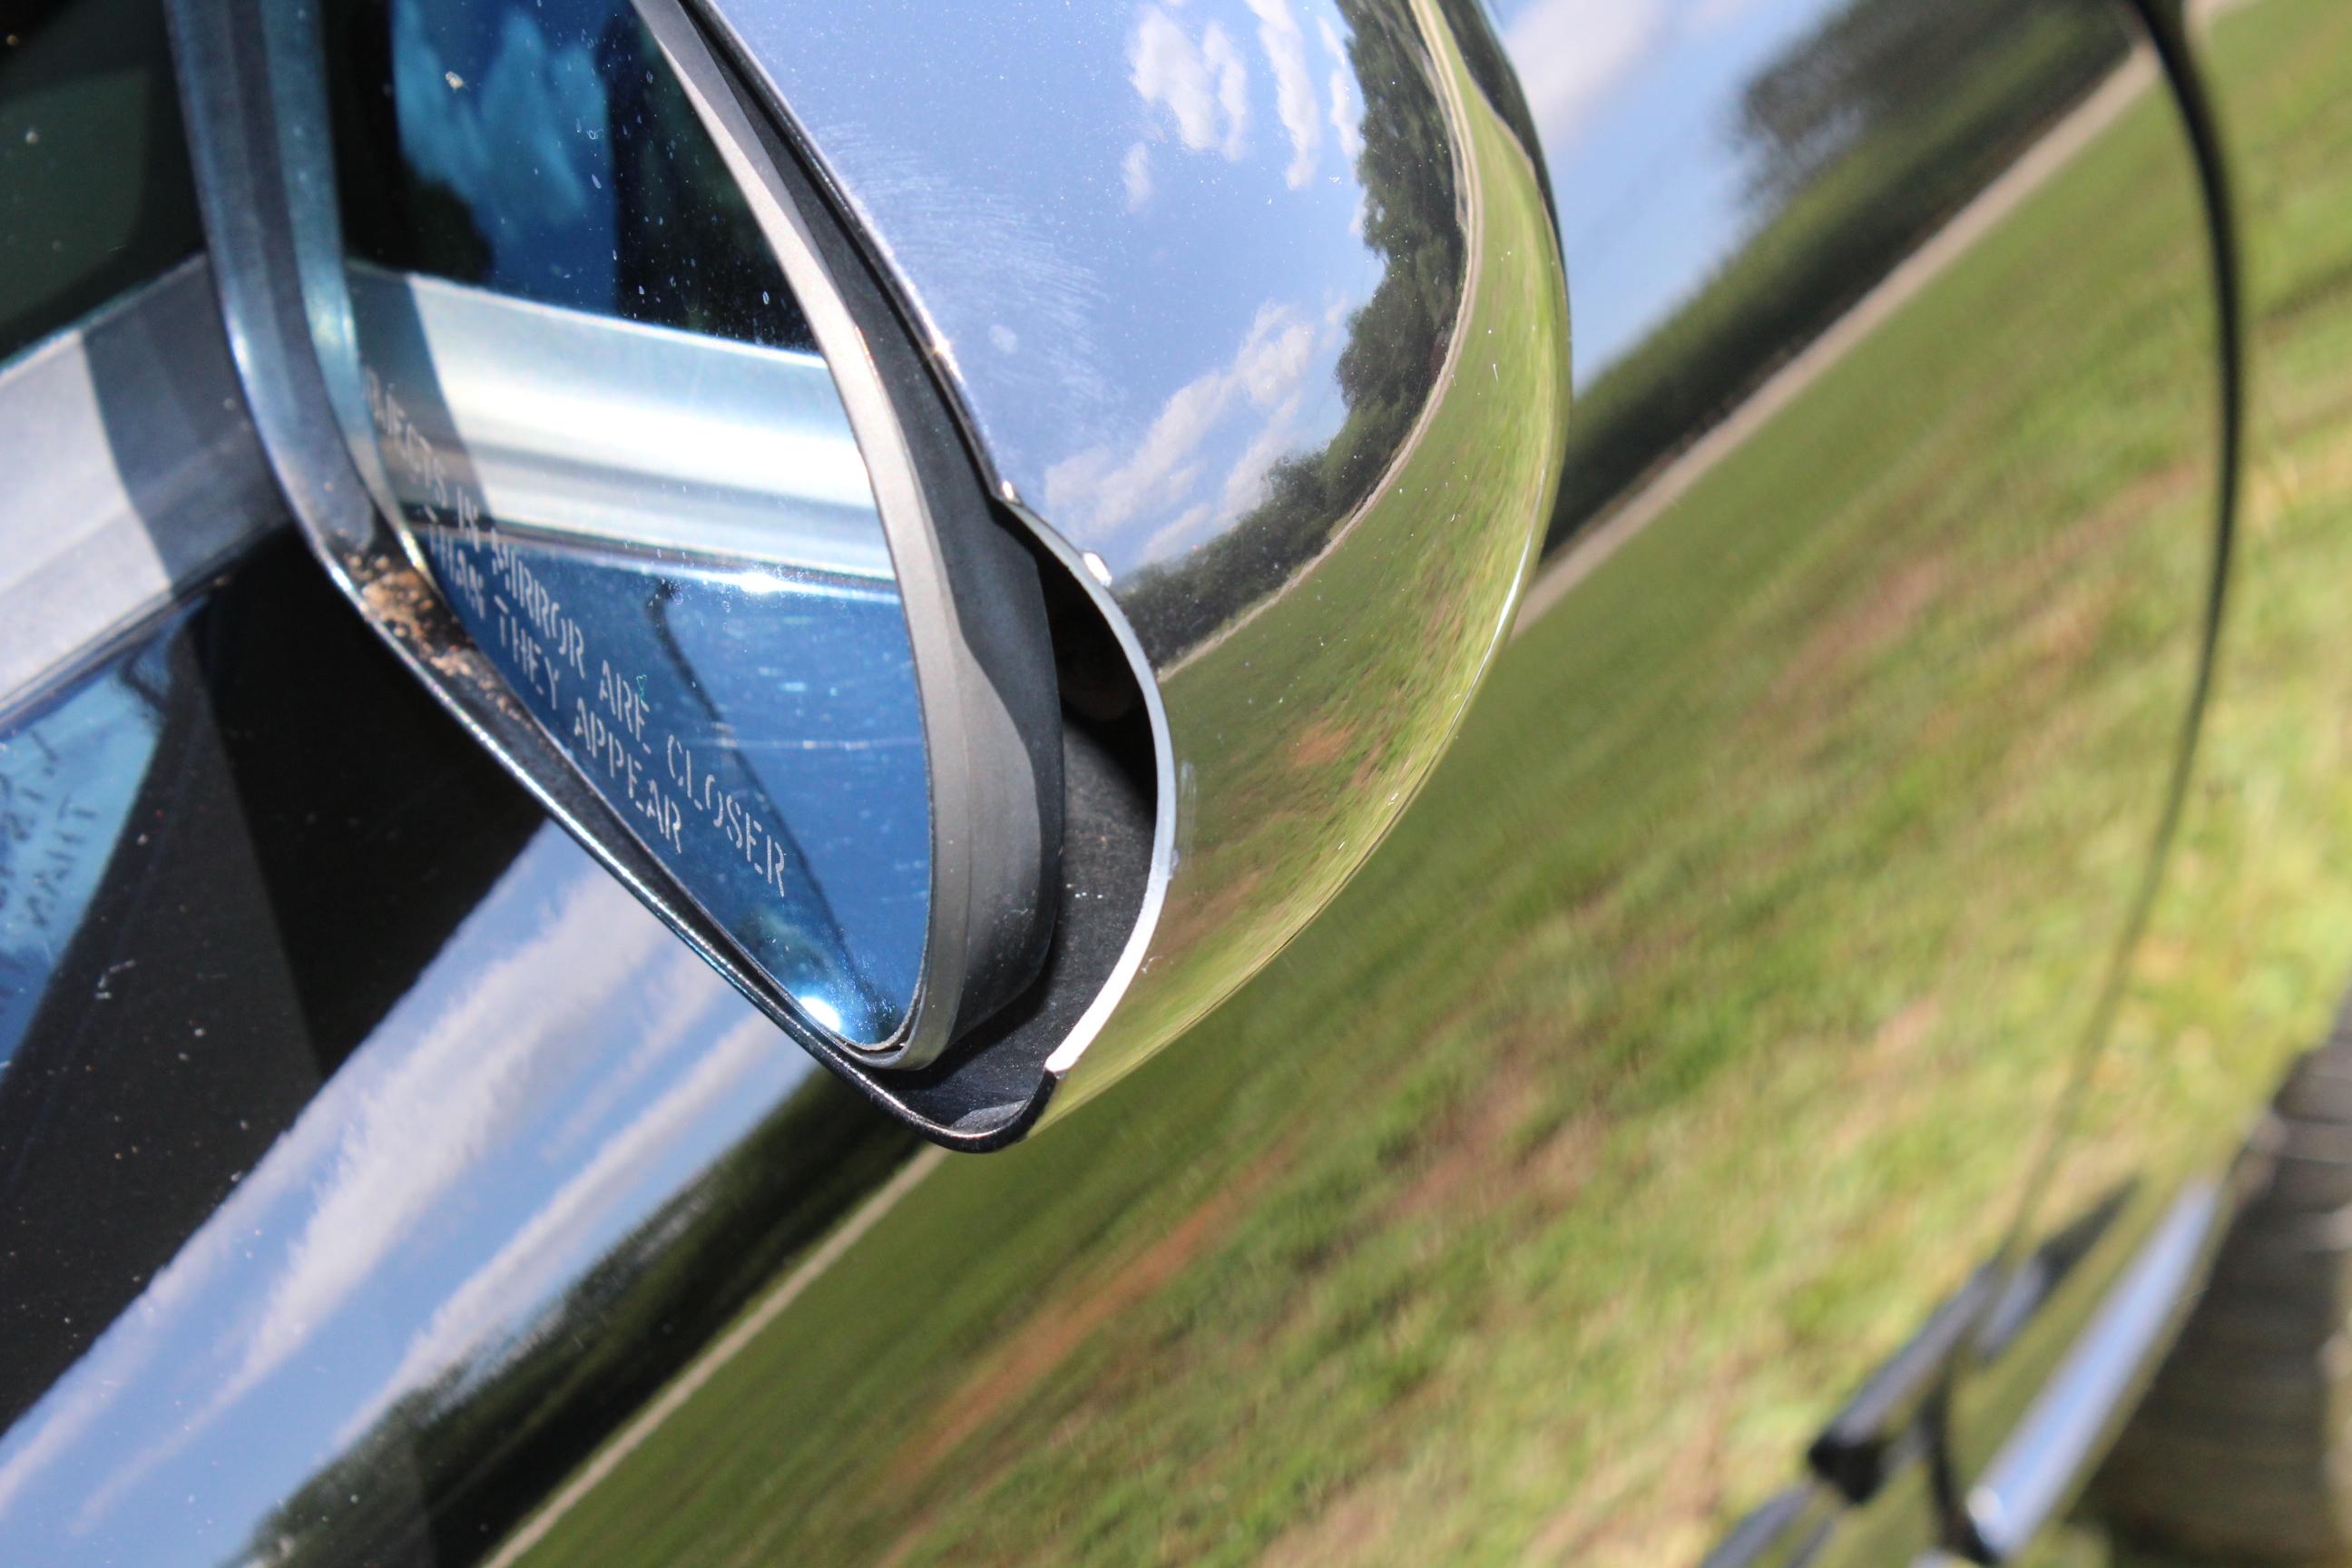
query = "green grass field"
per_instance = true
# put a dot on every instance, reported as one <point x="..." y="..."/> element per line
<point x="1688" y="1038"/>
<point x="2249" y="946"/>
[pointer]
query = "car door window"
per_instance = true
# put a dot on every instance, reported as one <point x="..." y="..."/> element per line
<point x="95" y="193"/>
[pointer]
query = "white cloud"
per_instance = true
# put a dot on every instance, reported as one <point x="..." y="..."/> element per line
<point x="1224" y="61"/>
<point x="1097" y="485"/>
<point x="1202" y="89"/>
<point x="1181" y="534"/>
<point x="1203" y="86"/>
<point x="547" y="1250"/>
<point x="1347" y="107"/>
<point x="1294" y="88"/>
<point x="1102" y="492"/>
<point x="381" y="1150"/>
<point x="1571" y="53"/>
<point x="1274" y="356"/>
<point x="417" y="1132"/>
<point x="1246" y="483"/>
<point x="1135" y="169"/>
<point x="677" y="996"/>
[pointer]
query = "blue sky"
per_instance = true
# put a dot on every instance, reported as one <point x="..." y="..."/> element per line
<point x="1636" y="101"/>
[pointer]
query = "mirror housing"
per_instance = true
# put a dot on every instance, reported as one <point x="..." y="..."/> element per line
<point x="1247" y="332"/>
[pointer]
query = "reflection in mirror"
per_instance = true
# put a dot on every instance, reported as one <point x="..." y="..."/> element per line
<point x="577" y="379"/>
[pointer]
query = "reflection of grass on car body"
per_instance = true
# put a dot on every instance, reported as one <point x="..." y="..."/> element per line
<point x="1459" y="1232"/>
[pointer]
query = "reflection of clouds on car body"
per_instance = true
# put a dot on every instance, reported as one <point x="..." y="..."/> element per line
<point x="1202" y="84"/>
<point x="1200" y="88"/>
<point x="1161" y="484"/>
<point x="479" y="1067"/>
<point x="1294" y="88"/>
<point x="406" y="1136"/>
<point x="545" y="1254"/>
<point x="431" y="1183"/>
<point x="1347" y="104"/>
<point x="1203" y="458"/>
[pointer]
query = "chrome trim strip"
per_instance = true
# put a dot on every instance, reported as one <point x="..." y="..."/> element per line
<point x="133" y="471"/>
<point x="2038" y="1468"/>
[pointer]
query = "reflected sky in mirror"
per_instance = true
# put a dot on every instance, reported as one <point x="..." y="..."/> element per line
<point x="589" y="394"/>
<point x="543" y="150"/>
<point x="807" y="837"/>
<point x="537" y="1100"/>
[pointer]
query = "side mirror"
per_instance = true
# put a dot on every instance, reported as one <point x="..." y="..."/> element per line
<point x="984" y="553"/>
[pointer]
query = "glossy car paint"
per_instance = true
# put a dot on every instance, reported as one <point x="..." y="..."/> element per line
<point x="1691" y="1038"/>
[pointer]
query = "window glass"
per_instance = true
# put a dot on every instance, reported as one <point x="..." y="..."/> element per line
<point x="95" y="192"/>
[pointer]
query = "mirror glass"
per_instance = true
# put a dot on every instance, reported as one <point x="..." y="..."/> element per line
<point x="574" y="374"/>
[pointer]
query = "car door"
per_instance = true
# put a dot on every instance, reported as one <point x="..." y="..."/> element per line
<point x="1687" y="1045"/>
